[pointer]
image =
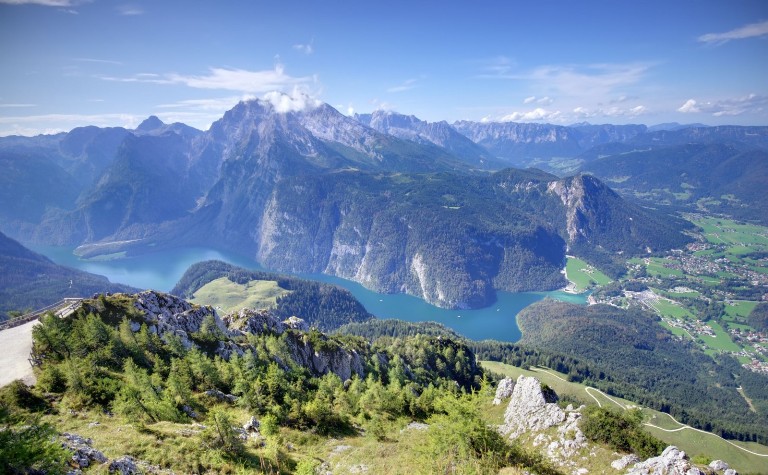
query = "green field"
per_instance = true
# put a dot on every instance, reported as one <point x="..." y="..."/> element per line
<point x="656" y="267"/>
<point x="692" y="441"/>
<point x="725" y="231"/>
<point x="583" y="275"/>
<point x="740" y="308"/>
<point x="668" y="308"/>
<point x="721" y="341"/>
<point x="230" y="297"/>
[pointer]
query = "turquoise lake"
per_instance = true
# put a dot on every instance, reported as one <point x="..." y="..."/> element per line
<point x="161" y="271"/>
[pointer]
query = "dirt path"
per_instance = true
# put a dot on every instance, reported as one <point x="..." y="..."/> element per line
<point x="15" y="345"/>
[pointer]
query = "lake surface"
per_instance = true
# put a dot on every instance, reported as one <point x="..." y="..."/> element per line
<point x="161" y="271"/>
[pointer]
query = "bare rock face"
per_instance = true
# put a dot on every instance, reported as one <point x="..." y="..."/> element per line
<point x="125" y="465"/>
<point x="503" y="390"/>
<point x="625" y="462"/>
<point x="296" y="323"/>
<point x="168" y="314"/>
<point x="257" y="322"/>
<point x="528" y="409"/>
<point x="672" y="461"/>
<point x="718" y="466"/>
<point x="532" y="411"/>
<point x="326" y="359"/>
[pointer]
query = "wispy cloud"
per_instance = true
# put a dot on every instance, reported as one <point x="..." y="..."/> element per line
<point x="129" y="10"/>
<point x="240" y="80"/>
<point x="751" y="103"/>
<point x="544" y="101"/>
<point x="15" y="106"/>
<point x="47" y="3"/>
<point x="99" y="61"/>
<point x="306" y="48"/>
<point x="405" y="86"/>
<point x="500" y="66"/>
<point x="753" y="30"/>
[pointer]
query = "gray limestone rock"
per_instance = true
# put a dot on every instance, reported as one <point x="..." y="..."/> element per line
<point x="528" y="410"/>
<point x="625" y="462"/>
<point x="503" y="390"/>
<point x="672" y="461"/>
<point x="83" y="454"/>
<point x="125" y="465"/>
<point x="718" y="466"/>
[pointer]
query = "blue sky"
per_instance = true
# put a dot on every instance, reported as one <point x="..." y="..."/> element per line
<point x="67" y="63"/>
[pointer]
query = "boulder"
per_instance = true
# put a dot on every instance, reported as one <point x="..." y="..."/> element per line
<point x="215" y="393"/>
<point x="503" y="391"/>
<point x="125" y="465"/>
<point x="672" y="461"/>
<point x="296" y="323"/>
<point x="83" y="455"/>
<point x="625" y="462"/>
<point x="718" y="466"/>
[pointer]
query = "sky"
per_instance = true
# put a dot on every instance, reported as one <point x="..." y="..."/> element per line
<point x="70" y="63"/>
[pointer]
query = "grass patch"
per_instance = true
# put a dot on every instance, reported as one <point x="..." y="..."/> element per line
<point x="230" y="297"/>
<point x="721" y="341"/>
<point x="740" y="308"/>
<point x="669" y="308"/>
<point x="583" y="275"/>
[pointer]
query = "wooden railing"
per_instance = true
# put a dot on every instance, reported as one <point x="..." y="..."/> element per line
<point x="38" y="313"/>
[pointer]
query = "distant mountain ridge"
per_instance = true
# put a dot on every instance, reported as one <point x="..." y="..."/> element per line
<point x="401" y="205"/>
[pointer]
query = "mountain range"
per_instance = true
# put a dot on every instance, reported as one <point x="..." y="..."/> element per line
<point x="393" y="202"/>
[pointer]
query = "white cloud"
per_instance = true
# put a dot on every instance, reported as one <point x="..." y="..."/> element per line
<point x="405" y="86"/>
<point x="528" y="100"/>
<point x="689" y="107"/>
<point x="533" y="115"/>
<point x="220" y="104"/>
<point x="545" y="101"/>
<point x="307" y="48"/>
<point x="240" y="80"/>
<point x="581" y="113"/>
<point x="294" y="102"/>
<point x="13" y="106"/>
<point x="99" y="61"/>
<point x="753" y="30"/>
<point x="751" y="103"/>
<point x="129" y="10"/>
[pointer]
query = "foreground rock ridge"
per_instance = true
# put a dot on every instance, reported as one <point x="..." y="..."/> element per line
<point x="533" y="414"/>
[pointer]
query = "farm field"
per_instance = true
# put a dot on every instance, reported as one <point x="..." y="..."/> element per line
<point x="583" y="275"/>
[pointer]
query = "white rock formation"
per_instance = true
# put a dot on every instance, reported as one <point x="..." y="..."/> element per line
<point x="503" y="390"/>
<point x="530" y="412"/>
<point x="672" y="461"/>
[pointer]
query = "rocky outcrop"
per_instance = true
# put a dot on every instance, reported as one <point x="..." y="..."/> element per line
<point x="125" y="465"/>
<point x="532" y="411"/>
<point x="503" y="391"/>
<point x="83" y="455"/>
<point x="625" y="462"/>
<point x="529" y="410"/>
<point x="254" y="321"/>
<point x="168" y="314"/>
<point x="718" y="466"/>
<point x="672" y="461"/>
<point x="325" y="358"/>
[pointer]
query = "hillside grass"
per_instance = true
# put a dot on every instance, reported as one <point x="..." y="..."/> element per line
<point x="230" y="297"/>
<point x="692" y="441"/>
<point x="583" y="275"/>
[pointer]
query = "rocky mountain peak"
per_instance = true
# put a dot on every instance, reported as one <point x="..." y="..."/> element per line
<point x="149" y="124"/>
